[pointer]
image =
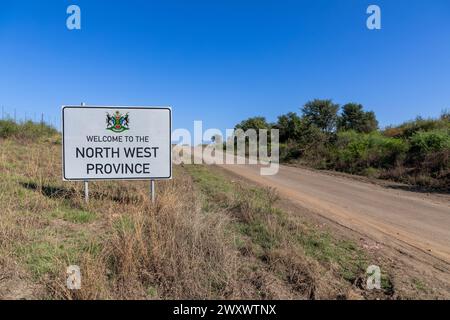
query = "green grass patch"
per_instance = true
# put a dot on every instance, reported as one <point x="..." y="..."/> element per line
<point x="40" y="257"/>
<point x="216" y="189"/>
<point x="50" y="250"/>
<point x="152" y="292"/>
<point x="74" y="215"/>
<point x="78" y="216"/>
<point x="209" y="182"/>
<point x="326" y="249"/>
<point x="259" y="234"/>
<point x="420" y="285"/>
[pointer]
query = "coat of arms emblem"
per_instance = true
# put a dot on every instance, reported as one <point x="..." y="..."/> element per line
<point x="117" y="122"/>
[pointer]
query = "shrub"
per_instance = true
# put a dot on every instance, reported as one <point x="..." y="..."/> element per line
<point x="430" y="141"/>
<point x="355" y="152"/>
<point x="8" y="128"/>
<point x="429" y="154"/>
<point x="408" y="129"/>
<point x="26" y="130"/>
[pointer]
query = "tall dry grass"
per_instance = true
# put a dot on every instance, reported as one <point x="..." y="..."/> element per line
<point x="167" y="250"/>
<point x="131" y="250"/>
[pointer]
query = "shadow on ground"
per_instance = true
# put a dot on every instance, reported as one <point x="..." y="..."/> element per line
<point x="59" y="192"/>
<point x="419" y="189"/>
<point x="51" y="191"/>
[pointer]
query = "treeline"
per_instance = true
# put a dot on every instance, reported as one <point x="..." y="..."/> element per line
<point x="325" y="135"/>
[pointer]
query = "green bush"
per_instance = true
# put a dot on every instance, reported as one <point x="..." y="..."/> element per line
<point x="408" y="129"/>
<point x="8" y="128"/>
<point x="431" y="141"/>
<point x="26" y="130"/>
<point x="290" y="151"/>
<point x="355" y="152"/>
<point x="429" y="154"/>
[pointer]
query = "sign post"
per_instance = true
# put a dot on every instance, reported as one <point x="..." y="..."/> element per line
<point x="86" y="191"/>
<point x="116" y="143"/>
<point x="86" y="183"/>
<point x="152" y="190"/>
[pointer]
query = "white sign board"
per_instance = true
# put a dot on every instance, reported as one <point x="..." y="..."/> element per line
<point x="128" y="143"/>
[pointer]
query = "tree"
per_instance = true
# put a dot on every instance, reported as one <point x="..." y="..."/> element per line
<point x="289" y="125"/>
<point x="355" y="118"/>
<point x="253" y="123"/>
<point x="322" y="114"/>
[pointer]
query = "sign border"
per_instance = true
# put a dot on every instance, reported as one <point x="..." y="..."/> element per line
<point x="114" y="107"/>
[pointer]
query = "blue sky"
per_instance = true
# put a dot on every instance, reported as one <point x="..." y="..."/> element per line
<point x="223" y="61"/>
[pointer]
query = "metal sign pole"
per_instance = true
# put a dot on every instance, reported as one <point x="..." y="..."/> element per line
<point x="86" y="183"/>
<point x="86" y="191"/>
<point x="152" y="190"/>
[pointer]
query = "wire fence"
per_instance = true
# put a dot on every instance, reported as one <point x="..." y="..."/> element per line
<point x="22" y="116"/>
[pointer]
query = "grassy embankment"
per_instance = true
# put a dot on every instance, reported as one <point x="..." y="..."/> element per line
<point x="206" y="237"/>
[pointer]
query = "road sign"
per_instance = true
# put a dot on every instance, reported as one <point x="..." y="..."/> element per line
<point x="116" y="143"/>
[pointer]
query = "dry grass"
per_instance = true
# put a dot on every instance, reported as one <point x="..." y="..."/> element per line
<point x="126" y="247"/>
<point x="206" y="237"/>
